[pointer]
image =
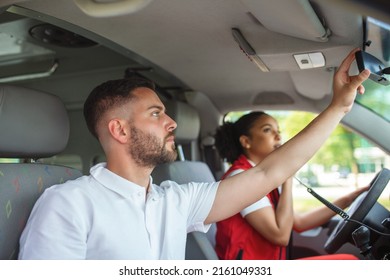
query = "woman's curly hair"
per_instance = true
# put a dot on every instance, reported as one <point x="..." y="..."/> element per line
<point x="227" y="136"/>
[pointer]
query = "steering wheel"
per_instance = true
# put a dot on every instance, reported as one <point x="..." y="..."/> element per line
<point x="357" y="211"/>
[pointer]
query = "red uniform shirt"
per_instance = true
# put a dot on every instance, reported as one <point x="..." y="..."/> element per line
<point x="237" y="239"/>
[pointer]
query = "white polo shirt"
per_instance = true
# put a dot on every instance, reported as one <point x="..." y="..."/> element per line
<point x="261" y="203"/>
<point x="104" y="216"/>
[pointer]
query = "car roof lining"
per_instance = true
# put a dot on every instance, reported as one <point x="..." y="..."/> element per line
<point x="206" y="64"/>
<point x="200" y="41"/>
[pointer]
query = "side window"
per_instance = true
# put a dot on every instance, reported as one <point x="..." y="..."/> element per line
<point x="9" y="160"/>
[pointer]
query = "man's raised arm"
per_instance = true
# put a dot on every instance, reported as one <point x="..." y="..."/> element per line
<point x="237" y="192"/>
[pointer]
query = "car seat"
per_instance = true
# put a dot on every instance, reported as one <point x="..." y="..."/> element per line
<point x="33" y="125"/>
<point x="200" y="245"/>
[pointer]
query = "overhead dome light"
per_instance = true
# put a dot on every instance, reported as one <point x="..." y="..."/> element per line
<point x="108" y="8"/>
<point x="310" y="60"/>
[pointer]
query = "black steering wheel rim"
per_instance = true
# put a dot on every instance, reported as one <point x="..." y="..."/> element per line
<point x="357" y="211"/>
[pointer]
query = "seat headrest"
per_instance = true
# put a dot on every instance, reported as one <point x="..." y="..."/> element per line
<point x="33" y="124"/>
<point x="187" y="119"/>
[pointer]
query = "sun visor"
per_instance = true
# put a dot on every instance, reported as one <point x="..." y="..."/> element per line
<point x="305" y="23"/>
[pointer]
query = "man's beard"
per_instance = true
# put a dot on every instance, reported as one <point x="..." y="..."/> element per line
<point x="148" y="151"/>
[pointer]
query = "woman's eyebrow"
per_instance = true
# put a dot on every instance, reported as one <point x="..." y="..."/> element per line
<point x="266" y="124"/>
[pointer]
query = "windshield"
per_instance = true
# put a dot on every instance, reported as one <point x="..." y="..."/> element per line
<point x="378" y="99"/>
<point x="344" y="162"/>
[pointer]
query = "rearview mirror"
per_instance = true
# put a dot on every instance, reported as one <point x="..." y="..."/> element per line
<point x="378" y="69"/>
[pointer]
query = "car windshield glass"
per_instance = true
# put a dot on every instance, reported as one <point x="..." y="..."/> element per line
<point x="344" y="162"/>
<point x="377" y="98"/>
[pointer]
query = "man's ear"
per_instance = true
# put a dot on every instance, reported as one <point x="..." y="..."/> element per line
<point x="118" y="130"/>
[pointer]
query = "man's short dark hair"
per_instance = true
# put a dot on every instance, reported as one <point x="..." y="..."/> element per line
<point x="108" y="95"/>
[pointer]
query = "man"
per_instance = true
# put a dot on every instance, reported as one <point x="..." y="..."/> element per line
<point x="118" y="213"/>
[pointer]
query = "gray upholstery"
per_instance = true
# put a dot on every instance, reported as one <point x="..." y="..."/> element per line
<point x="20" y="187"/>
<point x="199" y="245"/>
<point x="183" y="172"/>
<point x="188" y="121"/>
<point x="33" y="125"/>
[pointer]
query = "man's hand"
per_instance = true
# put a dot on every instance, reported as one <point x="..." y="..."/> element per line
<point x="345" y="86"/>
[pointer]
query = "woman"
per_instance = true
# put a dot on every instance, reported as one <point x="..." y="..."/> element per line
<point x="262" y="230"/>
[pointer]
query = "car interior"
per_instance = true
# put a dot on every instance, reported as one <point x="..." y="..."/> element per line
<point x="41" y="131"/>
<point x="207" y="59"/>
